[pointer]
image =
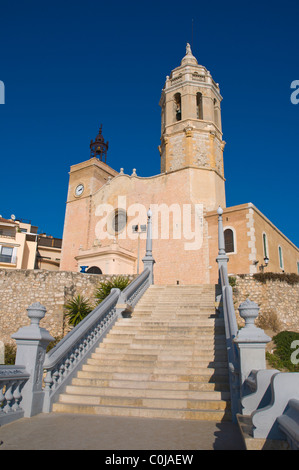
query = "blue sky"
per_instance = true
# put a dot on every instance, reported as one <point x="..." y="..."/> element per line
<point x="69" y="66"/>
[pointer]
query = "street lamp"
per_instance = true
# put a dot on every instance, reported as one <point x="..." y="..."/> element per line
<point x="262" y="266"/>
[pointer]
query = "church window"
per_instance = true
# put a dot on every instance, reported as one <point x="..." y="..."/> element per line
<point x="265" y="246"/>
<point x="119" y="221"/>
<point x="199" y="108"/>
<point x="280" y="257"/>
<point x="178" y="106"/>
<point x="229" y="240"/>
<point x="297" y="267"/>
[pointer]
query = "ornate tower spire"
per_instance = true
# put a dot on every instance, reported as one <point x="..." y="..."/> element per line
<point x="98" y="147"/>
<point x="191" y="134"/>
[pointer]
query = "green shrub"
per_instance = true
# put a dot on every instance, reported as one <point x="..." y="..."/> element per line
<point x="232" y="281"/>
<point x="104" y="288"/>
<point x="10" y="354"/>
<point x="268" y="321"/>
<point x="77" y="309"/>
<point x="281" y="357"/>
<point x="291" y="279"/>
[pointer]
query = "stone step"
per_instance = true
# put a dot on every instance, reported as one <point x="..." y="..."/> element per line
<point x="149" y="355"/>
<point x="157" y="369"/>
<point x="154" y="363"/>
<point x="124" y="392"/>
<point x="180" y="323"/>
<point x="177" y="313"/>
<point x="190" y="317"/>
<point x="209" y="324"/>
<point x="156" y="333"/>
<point x="212" y="338"/>
<point x="164" y="403"/>
<point x="167" y="361"/>
<point x="149" y="385"/>
<point x="153" y="305"/>
<point x="200" y="347"/>
<point x="209" y="377"/>
<point x="206" y="415"/>
<point x="153" y="325"/>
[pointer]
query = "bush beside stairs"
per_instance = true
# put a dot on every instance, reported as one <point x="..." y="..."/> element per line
<point x="167" y="361"/>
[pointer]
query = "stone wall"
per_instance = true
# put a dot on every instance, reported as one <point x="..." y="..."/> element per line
<point x="278" y="301"/>
<point x="20" y="288"/>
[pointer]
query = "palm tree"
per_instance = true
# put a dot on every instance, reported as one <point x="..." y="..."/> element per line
<point x="77" y="309"/>
<point x="104" y="288"/>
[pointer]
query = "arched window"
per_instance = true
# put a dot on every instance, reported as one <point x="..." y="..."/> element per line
<point x="178" y="106"/>
<point x="94" y="270"/>
<point x="229" y="240"/>
<point x="265" y="246"/>
<point x="280" y="257"/>
<point x="199" y="107"/>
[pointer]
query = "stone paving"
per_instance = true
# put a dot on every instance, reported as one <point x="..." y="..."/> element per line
<point x="56" y="431"/>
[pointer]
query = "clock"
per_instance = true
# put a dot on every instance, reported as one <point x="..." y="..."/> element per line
<point x="79" y="190"/>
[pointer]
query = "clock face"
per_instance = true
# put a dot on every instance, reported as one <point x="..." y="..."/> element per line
<point x="79" y="190"/>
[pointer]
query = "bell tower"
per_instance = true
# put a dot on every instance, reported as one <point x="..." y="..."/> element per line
<point x="191" y="133"/>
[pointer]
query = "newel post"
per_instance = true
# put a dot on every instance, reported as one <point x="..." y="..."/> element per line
<point x="148" y="260"/>
<point x="251" y="342"/>
<point x="222" y="258"/>
<point x="32" y="342"/>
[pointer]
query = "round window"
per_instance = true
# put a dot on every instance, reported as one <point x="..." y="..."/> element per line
<point x="119" y="220"/>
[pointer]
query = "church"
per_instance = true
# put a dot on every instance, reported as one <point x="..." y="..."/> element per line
<point x="106" y="210"/>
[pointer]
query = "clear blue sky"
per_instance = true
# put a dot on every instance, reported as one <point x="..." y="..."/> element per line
<point x="69" y="66"/>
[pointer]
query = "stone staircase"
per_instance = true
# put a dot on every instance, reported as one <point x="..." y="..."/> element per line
<point x="167" y="361"/>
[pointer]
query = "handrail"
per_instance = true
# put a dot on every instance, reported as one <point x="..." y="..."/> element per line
<point x="231" y="330"/>
<point x="62" y="362"/>
<point x="132" y="293"/>
<point x="12" y="380"/>
<point x="231" y="327"/>
<point x="83" y="328"/>
<point x="230" y="322"/>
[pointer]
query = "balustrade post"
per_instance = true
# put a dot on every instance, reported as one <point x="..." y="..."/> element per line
<point x="148" y="260"/>
<point x="222" y="258"/>
<point x="251" y="342"/>
<point x="32" y="342"/>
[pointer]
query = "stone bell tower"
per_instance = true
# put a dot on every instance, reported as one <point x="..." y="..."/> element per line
<point x="191" y="134"/>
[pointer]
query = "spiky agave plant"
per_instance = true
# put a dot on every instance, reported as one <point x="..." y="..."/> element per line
<point x="77" y="309"/>
<point x="104" y="288"/>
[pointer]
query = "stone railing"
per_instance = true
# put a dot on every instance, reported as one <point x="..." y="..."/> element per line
<point x="230" y="322"/>
<point x="34" y="384"/>
<point x="288" y="423"/>
<point x="134" y="291"/>
<point x="63" y="361"/>
<point x="245" y="347"/>
<point x="12" y="380"/>
<point x="268" y="397"/>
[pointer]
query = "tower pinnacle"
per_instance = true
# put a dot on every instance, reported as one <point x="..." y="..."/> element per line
<point x="189" y="57"/>
<point x="98" y="147"/>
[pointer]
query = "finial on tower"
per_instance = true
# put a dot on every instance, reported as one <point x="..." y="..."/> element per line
<point x="189" y="57"/>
